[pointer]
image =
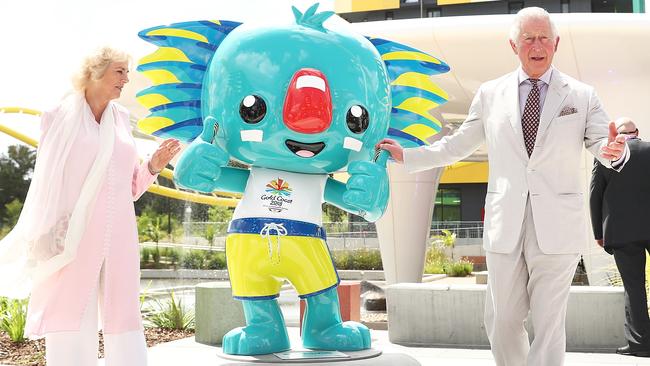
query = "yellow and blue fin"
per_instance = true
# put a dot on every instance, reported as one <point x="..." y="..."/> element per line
<point x="176" y="70"/>
<point x="413" y="92"/>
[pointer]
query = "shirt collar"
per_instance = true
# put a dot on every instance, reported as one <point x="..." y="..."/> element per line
<point x="545" y="78"/>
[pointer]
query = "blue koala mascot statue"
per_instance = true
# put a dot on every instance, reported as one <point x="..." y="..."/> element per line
<point x="295" y="103"/>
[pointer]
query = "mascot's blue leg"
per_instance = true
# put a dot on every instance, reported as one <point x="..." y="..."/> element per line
<point x="264" y="333"/>
<point x="322" y="327"/>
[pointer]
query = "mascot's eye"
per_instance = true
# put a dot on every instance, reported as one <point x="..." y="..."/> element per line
<point x="357" y="119"/>
<point x="252" y="109"/>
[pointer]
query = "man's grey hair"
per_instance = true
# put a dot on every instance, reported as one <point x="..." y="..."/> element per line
<point x="529" y="13"/>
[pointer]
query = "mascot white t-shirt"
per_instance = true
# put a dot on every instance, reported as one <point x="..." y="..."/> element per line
<point x="279" y="194"/>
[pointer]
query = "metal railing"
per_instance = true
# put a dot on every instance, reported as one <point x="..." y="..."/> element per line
<point x="341" y="235"/>
<point x="462" y="229"/>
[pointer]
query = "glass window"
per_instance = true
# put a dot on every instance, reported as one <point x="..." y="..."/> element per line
<point x="611" y="6"/>
<point x="447" y="205"/>
<point x="433" y="13"/>
<point x="515" y="6"/>
<point x="565" y="5"/>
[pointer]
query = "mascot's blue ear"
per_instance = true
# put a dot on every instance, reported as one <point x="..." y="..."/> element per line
<point x="413" y="92"/>
<point x="177" y="69"/>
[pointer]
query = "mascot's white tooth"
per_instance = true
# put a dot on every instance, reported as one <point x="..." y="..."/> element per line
<point x="310" y="81"/>
<point x="252" y="135"/>
<point x="352" y="144"/>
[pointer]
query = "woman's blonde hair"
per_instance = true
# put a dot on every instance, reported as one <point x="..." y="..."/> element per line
<point x="94" y="66"/>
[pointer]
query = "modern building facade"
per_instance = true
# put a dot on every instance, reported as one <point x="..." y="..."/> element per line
<point x="364" y="10"/>
<point x="462" y="188"/>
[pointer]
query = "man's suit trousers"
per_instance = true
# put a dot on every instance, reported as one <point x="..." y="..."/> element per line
<point x="630" y="260"/>
<point x="528" y="280"/>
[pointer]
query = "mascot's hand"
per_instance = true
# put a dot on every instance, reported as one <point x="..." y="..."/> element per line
<point x="200" y="165"/>
<point x="367" y="189"/>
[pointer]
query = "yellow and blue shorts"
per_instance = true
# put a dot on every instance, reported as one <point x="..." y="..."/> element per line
<point x="263" y="252"/>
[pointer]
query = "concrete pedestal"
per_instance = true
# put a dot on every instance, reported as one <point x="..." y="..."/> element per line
<point x="216" y="312"/>
<point x="442" y="315"/>
<point x="349" y="301"/>
<point x="273" y="359"/>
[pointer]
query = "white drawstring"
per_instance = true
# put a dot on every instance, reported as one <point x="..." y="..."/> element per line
<point x="280" y="230"/>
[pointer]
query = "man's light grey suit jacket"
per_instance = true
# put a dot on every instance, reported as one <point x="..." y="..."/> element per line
<point x="552" y="176"/>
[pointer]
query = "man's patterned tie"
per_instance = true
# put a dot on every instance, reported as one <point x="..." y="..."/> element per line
<point x="530" y="117"/>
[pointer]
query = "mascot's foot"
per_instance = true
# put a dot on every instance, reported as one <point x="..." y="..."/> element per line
<point x="255" y="339"/>
<point x="347" y="336"/>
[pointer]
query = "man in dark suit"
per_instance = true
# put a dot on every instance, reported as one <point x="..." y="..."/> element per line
<point x="620" y="216"/>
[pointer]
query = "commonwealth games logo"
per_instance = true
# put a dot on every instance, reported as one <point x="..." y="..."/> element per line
<point x="279" y="187"/>
<point x="278" y="197"/>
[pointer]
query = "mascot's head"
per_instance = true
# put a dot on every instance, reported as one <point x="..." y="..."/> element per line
<point x="300" y="97"/>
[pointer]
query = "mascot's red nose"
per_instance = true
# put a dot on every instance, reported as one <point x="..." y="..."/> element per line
<point x="308" y="104"/>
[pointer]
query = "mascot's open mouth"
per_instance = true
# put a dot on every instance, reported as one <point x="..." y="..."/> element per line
<point x="304" y="149"/>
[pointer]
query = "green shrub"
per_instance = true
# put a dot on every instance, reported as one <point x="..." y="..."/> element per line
<point x="4" y="230"/>
<point x="194" y="259"/>
<point x="446" y="240"/>
<point x="13" y="317"/>
<point x="174" y="256"/>
<point x="461" y="268"/>
<point x="342" y="259"/>
<point x="215" y="260"/>
<point x="434" y="268"/>
<point x="12" y="212"/>
<point x="153" y="231"/>
<point x="144" y="293"/>
<point x="156" y="254"/>
<point x="334" y="214"/>
<point x="360" y="259"/>
<point x="209" y="233"/>
<point x="145" y="255"/>
<point x="171" y="315"/>
<point x="153" y="226"/>
<point x="144" y="222"/>
<point x="435" y="260"/>
<point x="220" y="213"/>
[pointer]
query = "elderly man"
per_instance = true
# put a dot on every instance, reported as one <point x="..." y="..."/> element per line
<point x="622" y="229"/>
<point x="535" y="121"/>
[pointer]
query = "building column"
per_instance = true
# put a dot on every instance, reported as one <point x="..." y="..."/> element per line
<point x="403" y="230"/>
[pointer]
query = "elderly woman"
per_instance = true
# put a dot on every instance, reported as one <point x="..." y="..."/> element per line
<point x="75" y="246"/>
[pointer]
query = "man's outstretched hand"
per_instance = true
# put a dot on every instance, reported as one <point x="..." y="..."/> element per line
<point x="393" y="147"/>
<point x="615" y="144"/>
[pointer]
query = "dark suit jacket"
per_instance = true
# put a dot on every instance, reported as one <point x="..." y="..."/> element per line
<point x="620" y="201"/>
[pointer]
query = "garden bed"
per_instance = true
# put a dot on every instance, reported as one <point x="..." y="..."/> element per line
<point x="32" y="353"/>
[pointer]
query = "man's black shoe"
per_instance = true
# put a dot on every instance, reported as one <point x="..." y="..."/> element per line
<point x="626" y="350"/>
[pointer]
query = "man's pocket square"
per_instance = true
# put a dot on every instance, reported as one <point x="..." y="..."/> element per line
<point x="567" y="110"/>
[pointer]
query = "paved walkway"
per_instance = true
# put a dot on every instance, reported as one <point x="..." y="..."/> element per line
<point x="188" y="352"/>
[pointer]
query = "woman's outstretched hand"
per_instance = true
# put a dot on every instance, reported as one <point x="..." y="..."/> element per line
<point x="165" y="152"/>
